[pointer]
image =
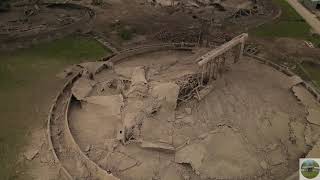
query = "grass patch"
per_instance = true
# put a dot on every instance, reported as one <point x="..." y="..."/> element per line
<point x="307" y="70"/>
<point x="310" y="175"/>
<point x="290" y="24"/>
<point x="296" y="29"/>
<point x="28" y="84"/>
<point x="125" y="34"/>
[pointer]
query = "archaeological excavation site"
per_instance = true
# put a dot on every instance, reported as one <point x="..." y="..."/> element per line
<point x="181" y="112"/>
<point x="158" y="90"/>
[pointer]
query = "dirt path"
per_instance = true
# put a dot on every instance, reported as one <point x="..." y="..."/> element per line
<point x="306" y="14"/>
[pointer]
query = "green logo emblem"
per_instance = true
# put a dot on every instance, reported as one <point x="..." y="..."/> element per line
<point x="310" y="169"/>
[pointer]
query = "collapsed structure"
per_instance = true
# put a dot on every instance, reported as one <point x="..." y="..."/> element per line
<point x="222" y="8"/>
<point x="42" y="21"/>
<point x="179" y="115"/>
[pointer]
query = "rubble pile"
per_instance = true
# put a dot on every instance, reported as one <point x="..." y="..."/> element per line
<point x="136" y="119"/>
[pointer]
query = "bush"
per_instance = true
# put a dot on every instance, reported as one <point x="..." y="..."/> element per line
<point x="125" y="34"/>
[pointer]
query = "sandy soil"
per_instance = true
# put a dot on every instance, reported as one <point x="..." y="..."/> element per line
<point x="251" y="110"/>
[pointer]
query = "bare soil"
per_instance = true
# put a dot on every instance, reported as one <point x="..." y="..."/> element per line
<point x="251" y="109"/>
<point x="251" y="125"/>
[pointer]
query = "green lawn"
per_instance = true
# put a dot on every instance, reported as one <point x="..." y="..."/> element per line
<point x="290" y="24"/>
<point x="310" y="175"/>
<point x="28" y="83"/>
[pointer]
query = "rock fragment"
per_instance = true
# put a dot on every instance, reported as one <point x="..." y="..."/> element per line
<point x="315" y="152"/>
<point x="188" y="110"/>
<point x="192" y="154"/>
<point x="186" y="177"/>
<point x="113" y="103"/>
<point x="87" y="149"/>
<point x="167" y="93"/>
<point x="138" y="87"/>
<point x="157" y="146"/>
<point x="305" y="97"/>
<point x="294" y="80"/>
<point x="31" y="153"/>
<point x="172" y="173"/>
<point x="308" y="135"/>
<point x="81" y="88"/>
<point x="277" y="157"/>
<point x="83" y="171"/>
<point x="264" y="165"/>
<point x="314" y="116"/>
<point x="94" y="67"/>
<point x="118" y="161"/>
<point x="222" y="162"/>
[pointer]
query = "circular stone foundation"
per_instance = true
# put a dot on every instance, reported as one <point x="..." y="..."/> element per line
<point x="131" y="121"/>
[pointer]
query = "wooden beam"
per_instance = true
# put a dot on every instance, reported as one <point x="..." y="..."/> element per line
<point x="222" y="49"/>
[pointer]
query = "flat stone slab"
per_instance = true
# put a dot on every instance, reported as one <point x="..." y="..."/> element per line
<point x="294" y="80"/>
<point x="167" y="2"/>
<point x="82" y="88"/>
<point x="305" y="97"/>
<point x="221" y="155"/>
<point x="277" y="157"/>
<point x="173" y="173"/>
<point x="192" y="154"/>
<point x="31" y="154"/>
<point x="139" y="75"/>
<point x="124" y="72"/>
<point x="167" y="92"/>
<point x="93" y="67"/>
<point x="121" y="161"/>
<point x="315" y="152"/>
<point x="113" y="103"/>
<point x="156" y="130"/>
<point x="314" y="116"/>
<point x="297" y="136"/>
<point x="138" y="85"/>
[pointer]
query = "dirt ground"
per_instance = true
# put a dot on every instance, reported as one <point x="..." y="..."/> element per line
<point x="285" y="47"/>
<point x="152" y="22"/>
<point x="28" y="86"/>
<point x="127" y="23"/>
<point x="24" y="21"/>
<point x="251" y="109"/>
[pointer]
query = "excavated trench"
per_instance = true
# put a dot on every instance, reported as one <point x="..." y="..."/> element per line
<point x="125" y="120"/>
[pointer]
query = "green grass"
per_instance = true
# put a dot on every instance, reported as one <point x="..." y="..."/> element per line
<point x="27" y="86"/>
<point x="310" y="175"/>
<point x="125" y="34"/>
<point x="290" y="24"/>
